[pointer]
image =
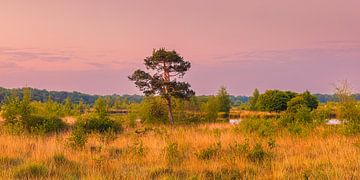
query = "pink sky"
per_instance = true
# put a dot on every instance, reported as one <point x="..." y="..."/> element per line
<point x="91" y="46"/>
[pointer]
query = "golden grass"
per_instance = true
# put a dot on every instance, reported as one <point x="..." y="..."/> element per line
<point x="322" y="154"/>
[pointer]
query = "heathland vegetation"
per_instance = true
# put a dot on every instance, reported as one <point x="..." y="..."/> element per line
<point x="278" y="135"/>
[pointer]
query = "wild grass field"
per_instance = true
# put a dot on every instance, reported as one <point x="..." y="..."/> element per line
<point x="284" y="135"/>
<point x="206" y="151"/>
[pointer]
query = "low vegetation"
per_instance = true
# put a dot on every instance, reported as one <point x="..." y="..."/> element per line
<point x="282" y="135"/>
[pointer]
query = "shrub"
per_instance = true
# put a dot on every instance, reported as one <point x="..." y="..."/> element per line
<point x="93" y="123"/>
<point x="257" y="154"/>
<point x="153" y="110"/>
<point x="303" y="115"/>
<point x="323" y="112"/>
<point x="31" y="171"/>
<point x="209" y="152"/>
<point x="43" y="124"/>
<point x="78" y="138"/>
<point x="211" y="109"/>
<point x="295" y="129"/>
<point x="173" y="154"/>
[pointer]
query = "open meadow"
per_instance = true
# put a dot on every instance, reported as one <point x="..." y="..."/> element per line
<point x="204" y="151"/>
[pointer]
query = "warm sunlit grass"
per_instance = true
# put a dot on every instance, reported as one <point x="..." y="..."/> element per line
<point x="321" y="154"/>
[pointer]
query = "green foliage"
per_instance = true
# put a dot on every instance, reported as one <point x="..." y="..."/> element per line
<point x="31" y="117"/>
<point x="223" y="100"/>
<point x="348" y="108"/>
<point x="68" y="106"/>
<point x="100" y="108"/>
<point x="210" y="152"/>
<point x="31" y="171"/>
<point x="254" y="99"/>
<point x="323" y="112"/>
<point x="302" y="115"/>
<point x="153" y="110"/>
<point x="164" y="65"/>
<point x="43" y="124"/>
<point x="78" y="137"/>
<point x="25" y="109"/>
<point x="211" y="109"/>
<point x="95" y="124"/>
<point x="274" y="100"/>
<point x="10" y="109"/>
<point x="295" y="129"/>
<point x="302" y="100"/>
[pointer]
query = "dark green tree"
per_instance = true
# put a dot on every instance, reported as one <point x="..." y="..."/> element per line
<point x="275" y="100"/>
<point x="302" y="100"/>
<point x="254" y="99"/>
<point x="311" y="100"/>
<point x="164" y="69"/>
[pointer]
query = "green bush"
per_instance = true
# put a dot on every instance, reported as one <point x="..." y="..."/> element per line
<point x="257" y="154"/>
<point x="323" y="112"/>
<point x="210" y="152"/>
<point x="31" y="171"/>
<point x="93" y="123"/>
<point x="153" y="110"/>
<point x="302" y="115"/>
<point x="78" y="138"/>
<point x="43" y="124"/>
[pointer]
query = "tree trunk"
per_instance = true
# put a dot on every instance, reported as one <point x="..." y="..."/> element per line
<point x="170" y="114"/>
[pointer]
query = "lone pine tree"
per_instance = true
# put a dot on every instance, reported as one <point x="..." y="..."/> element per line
<point x="164" y="67"/>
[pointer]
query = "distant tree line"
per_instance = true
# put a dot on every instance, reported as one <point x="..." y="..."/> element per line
<point x="76" y="97"/>
<point x="61" y="96"/>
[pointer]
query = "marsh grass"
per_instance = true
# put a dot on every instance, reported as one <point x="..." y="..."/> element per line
<point x="207" y="151"/>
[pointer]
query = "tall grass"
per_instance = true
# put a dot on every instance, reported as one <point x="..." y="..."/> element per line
<point x="207" y="151"/>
